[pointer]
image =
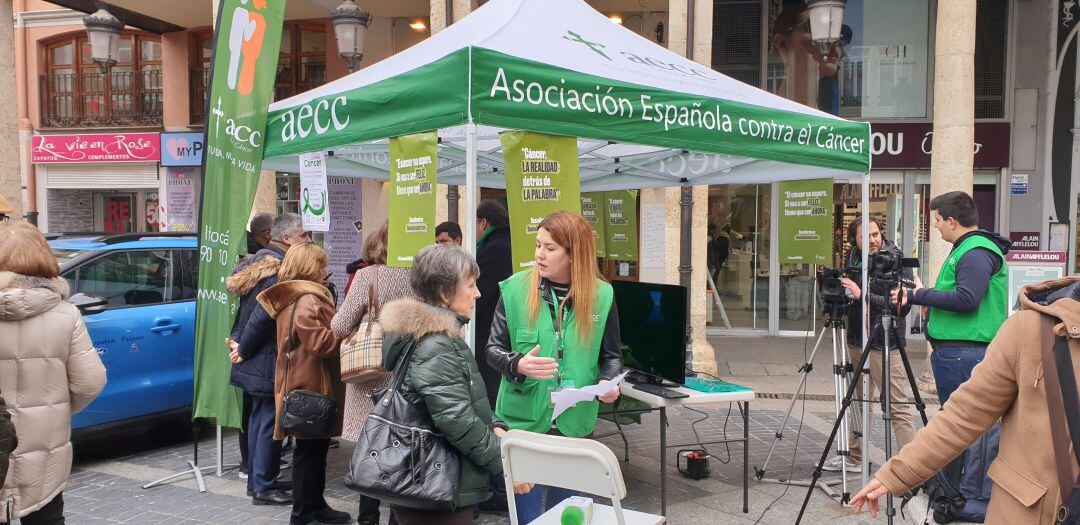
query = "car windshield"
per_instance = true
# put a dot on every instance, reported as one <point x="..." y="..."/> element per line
<point x="63" y="256"/>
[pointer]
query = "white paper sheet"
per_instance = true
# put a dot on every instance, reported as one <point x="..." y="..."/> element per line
<point x="568" y="397"/>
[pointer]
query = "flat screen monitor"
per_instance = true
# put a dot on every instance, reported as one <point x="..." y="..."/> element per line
<point x="652" y="322"/>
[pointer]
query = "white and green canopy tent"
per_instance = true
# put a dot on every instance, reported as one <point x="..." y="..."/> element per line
<point x="644" y="116"/>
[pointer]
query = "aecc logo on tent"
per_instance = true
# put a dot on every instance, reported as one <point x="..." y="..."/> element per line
<point x="651" y="62"/>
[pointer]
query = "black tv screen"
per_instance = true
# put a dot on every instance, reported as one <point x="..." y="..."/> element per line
<point x="652" y="322"/>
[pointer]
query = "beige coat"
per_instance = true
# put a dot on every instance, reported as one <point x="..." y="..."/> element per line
<point x="1008" y="384"/>
<point x="49" y="370"/>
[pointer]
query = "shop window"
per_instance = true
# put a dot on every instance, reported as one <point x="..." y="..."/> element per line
<point x="737" y="256"/>
<point x="879" y="68"/>
<point x="128" y="278"/>
<point x="991" y="37"/>
<point x="736" y="50"/>
<point x="75" y="93"/>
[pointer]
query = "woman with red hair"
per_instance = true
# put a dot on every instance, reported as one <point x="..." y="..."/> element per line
<point x="555" y="327"/>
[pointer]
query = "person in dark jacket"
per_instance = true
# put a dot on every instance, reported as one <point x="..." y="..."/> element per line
<point x="9" y="440"/>
<point x="255" y="375"/>
<point x="565" y="335"/>
<point x="880" y="303"/>
<point x="443" y="278"/>
<point x="260" y="232"/>
<point x="494" y="258"/>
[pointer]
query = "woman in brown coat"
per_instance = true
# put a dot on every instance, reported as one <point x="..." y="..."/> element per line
<point x="303" y="308"/>
<point x="1009" y="385"/>
<point x="390" y="283"/>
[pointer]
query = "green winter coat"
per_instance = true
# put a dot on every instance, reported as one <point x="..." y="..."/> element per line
<point x="443" y="376"/>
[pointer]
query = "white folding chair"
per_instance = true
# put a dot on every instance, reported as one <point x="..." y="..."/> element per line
<point x="582" y="465"/>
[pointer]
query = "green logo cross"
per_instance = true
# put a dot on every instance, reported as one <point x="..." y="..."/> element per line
<point x="595" y="46"/>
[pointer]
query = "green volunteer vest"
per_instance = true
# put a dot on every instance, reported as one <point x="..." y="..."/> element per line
<point x="982" y="324"/>
<point x="527" y="406"/>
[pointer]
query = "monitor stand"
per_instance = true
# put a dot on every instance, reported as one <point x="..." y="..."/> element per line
<point x="639" y="377"/>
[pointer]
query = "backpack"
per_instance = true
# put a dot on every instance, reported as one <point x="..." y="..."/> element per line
<point x="960" y="491"/>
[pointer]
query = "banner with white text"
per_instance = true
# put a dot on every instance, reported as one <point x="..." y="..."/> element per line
<point x="241" y="83"/>
<point x="413" y="163"/>
<point x="541" y="178"/>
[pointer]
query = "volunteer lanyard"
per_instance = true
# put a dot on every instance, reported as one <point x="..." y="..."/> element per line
<point x="560" y="340"/>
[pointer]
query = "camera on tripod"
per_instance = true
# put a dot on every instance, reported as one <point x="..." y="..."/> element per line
<point x="832" y="291"/>
<point x="886" y="269"/>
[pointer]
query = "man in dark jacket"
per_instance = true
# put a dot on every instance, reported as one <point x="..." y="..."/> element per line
<point x="880" y="303"/>
<point x="494" y="258"/>
<point x="260" y="232"/>
<point x="255" y="376"/>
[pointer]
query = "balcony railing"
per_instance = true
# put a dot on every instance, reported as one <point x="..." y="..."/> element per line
<point x="117" y="98"/>
<point x="198" y="82"/>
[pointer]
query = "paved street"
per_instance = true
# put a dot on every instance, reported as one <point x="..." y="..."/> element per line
<point x="108" y="473"/>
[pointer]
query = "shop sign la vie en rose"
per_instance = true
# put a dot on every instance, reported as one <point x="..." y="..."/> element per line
<point x="112" y="147"/>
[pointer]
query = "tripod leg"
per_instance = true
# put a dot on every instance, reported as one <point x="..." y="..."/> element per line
<point x="805" y="369"/>
<point x="828" y="444"/>
<point x="886" y="407"/>
<point x="919" y="404"/>
<point x="840" y="386"/>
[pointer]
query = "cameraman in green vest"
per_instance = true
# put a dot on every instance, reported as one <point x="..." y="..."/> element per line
<point x="967" y="307"/>
<point x="555" y="327"/>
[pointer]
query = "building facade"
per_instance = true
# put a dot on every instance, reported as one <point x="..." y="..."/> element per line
<point x="152" y="102"/>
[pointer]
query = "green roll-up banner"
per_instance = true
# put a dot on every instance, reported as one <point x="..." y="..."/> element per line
<point x="622" y="226"/>
<point x="541" y="178"/>
<point x="241" y="82"/>
<point x="805" y="222"/>
<point x="413" y="163"/>
<point x="592" y="208"/>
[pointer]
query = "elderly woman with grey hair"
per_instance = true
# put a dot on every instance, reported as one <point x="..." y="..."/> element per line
<point x="443" y="279"/>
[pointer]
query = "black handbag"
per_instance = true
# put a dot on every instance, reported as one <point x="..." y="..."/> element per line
<point x="305" y="413"/>
<point x="401" y="458"/>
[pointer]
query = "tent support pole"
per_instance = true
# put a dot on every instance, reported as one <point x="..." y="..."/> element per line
<point x="686" y="208"/>
<point x="470" y="206"/>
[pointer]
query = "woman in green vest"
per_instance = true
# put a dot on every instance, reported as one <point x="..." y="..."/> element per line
<point x="554" y="327"/>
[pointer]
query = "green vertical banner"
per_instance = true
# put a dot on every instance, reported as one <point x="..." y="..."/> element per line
<point x="413" y="163"/>
<point x="806" y="221"/>
<point x="541" y="178"/>
<point x="592" y="208"/>
<point x="621" y="243"/>
<point x="241" y="82"/>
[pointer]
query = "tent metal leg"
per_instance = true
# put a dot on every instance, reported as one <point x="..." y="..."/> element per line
<point x="470" y="206"/>
<point x="686" y="208"/>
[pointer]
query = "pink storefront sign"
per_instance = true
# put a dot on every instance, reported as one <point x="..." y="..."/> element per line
<point x="118" y="147"/>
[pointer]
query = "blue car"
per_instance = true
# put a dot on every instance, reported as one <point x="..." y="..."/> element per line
<point x="137" y="295"/>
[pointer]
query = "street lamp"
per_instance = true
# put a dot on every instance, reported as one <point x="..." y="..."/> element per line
<point x="826" y="18"/>
<point x="350" y="25"/>
<point x="103" y="29"/>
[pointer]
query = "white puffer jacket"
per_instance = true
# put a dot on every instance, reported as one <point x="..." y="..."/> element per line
<point x="49" y="370"/>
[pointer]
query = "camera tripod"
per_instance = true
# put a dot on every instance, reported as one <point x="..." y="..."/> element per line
<point x="836" y="326"/>
<point x="888" y="324"/>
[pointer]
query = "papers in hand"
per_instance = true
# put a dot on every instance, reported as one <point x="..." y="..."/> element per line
<point x="568" y="397"/>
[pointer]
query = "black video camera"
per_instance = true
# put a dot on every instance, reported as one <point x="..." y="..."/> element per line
<point x="831" y="289"/>
<point x="886" y="269"/>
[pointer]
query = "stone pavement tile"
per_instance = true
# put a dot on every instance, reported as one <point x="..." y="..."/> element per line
<point x="781" y="369"/>
<point x="742" y="368"/>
